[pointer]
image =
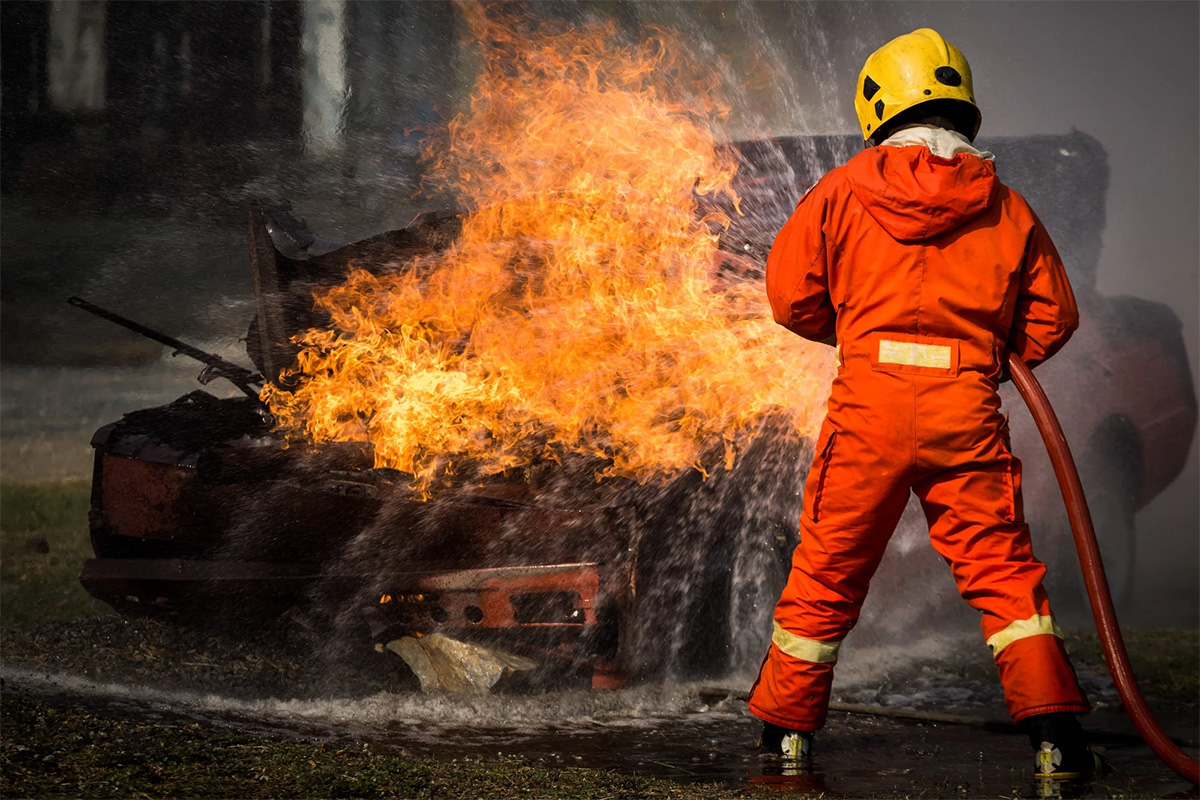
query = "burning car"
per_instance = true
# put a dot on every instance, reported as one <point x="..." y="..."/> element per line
<point x="204" y="510"/>
<point x="536" y="425"/>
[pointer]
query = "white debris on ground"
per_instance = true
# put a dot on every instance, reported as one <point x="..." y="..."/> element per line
<point x="448" y="665"/>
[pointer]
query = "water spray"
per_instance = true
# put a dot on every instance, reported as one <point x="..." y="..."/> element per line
<point x="1093" y="574"/>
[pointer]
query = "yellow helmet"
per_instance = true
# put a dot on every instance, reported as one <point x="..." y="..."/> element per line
<point x="909" y="71"/>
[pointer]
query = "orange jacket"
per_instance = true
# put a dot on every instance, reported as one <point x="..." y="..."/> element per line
<point x="900" y="240"/>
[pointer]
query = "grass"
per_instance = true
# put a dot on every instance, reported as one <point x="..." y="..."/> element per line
<point x="70" y="752"/>
<point x="38" y="587"/>
<point x="1166" y="661"/>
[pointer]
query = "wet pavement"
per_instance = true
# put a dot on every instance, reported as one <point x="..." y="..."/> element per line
<point x="681" y="732"/>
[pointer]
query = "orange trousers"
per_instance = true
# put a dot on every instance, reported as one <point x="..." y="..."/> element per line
<point x="888" y="433"/>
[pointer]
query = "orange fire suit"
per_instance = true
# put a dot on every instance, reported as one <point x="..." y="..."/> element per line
<point x="928" y="270"/>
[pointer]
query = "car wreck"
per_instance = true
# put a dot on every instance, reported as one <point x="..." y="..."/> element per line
<point x="202" y="511"/>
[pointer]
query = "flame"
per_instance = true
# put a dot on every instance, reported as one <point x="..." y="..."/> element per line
<point x="578" y="312"/>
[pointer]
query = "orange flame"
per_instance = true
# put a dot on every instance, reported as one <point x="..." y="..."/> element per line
<point x="577" y="312"/>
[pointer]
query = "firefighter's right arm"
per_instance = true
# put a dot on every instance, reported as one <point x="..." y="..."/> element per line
<point x="1046" y="314"/>
<point x="798" y="273"/>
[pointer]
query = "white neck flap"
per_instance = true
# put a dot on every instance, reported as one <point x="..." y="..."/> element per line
<point x="941" y="142"/>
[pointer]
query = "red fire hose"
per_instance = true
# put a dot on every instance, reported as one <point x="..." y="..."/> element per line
<point x="1093" y="574"/>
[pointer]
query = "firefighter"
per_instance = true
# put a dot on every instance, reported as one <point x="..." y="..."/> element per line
<point x="925" y="271"/>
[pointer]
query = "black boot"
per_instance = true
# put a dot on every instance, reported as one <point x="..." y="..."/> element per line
<point x="792" y="747"/>
<point x="1061" y="752"/>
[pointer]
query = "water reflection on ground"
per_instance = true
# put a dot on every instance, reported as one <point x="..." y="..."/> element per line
<point x="681" y="732"/>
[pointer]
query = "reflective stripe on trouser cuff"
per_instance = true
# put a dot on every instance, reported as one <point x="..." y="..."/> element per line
<point x="805" y="649"/>
<point x="1037" y="625"/>
<point x="912" y="354"/>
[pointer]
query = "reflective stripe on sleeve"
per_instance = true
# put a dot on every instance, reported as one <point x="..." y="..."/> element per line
<point x="805" y="649"/>
<point x="1037" y="625"/>
<point x="913" y="354"/>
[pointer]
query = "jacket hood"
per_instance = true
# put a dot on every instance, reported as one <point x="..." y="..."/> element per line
<point x="916" y="195"/>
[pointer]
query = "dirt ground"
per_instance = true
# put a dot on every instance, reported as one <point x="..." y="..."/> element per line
<point x="66" y="750"/>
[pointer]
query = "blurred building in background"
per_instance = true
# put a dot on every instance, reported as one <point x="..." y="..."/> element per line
<point x="153" y="98"/>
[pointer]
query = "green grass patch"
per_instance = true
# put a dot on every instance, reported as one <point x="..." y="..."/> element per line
<point x="43" y="544"/>
<point x="54" y="751"/>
